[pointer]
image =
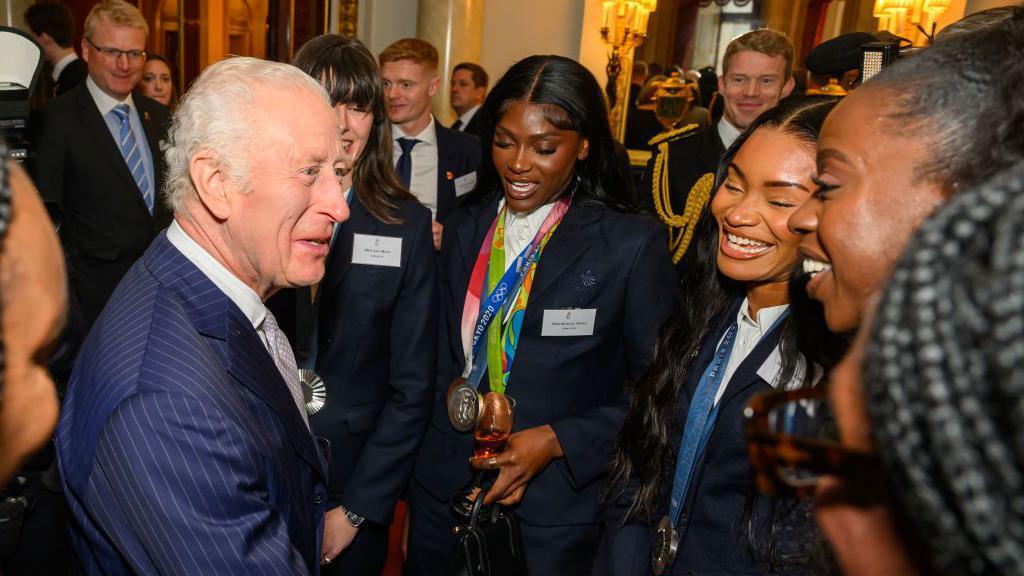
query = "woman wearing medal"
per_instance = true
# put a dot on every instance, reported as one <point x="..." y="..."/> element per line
<point x="552" y="292"/>
<point x="376" y="320"/>
<point x="740" y="329"/>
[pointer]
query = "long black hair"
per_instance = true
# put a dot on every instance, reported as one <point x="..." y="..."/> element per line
<point x="572" y="100"/>
<point x="644" y="452"/>
<point x="349" y="72"/>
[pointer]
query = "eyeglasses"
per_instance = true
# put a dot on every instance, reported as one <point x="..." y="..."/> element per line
<point x="793" y="441"/>
<point x="116" y="53"/>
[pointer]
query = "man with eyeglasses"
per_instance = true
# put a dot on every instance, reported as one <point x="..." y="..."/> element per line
<point x="98" y="163"/>
<point x="757" y="73"/>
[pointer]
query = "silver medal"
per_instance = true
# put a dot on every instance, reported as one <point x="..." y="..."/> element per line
<point x="463" y="405"/>
<point x="664" y="547"/>
<point x="314" y="391"/>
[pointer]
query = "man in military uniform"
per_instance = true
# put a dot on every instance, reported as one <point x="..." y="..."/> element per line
<point x="758" y="72"/>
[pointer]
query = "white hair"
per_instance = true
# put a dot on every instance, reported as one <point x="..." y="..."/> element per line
<point x="218" y="113"/>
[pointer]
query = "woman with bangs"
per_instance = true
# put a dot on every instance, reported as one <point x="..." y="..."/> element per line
<point x="682" y="494"/>
<point x="375" y="309"/>
<point x="593" y="281"/>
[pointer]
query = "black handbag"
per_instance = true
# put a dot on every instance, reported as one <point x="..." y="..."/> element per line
<point x="490" y="544"/>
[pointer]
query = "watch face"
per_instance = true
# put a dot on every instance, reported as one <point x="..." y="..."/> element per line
<point x="664" y="546"/>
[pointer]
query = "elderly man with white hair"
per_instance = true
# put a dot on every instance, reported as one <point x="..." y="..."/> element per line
<point x="184" y="445"/>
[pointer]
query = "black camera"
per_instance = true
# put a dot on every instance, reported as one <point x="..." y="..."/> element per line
<point x="19" y="73"/>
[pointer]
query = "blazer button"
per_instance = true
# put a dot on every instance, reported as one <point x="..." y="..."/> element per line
<point x="318" y="498"/>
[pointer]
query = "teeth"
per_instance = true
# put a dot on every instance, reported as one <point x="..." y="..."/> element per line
<point x="813" y="267"/>
<point x="748" y="245"/>
<point x="522" y="186"/>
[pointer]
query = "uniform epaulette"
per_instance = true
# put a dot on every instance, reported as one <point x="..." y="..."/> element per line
<point x="673" y="134"/>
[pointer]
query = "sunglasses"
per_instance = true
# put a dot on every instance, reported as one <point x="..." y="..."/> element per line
<point x="793" y="441"/>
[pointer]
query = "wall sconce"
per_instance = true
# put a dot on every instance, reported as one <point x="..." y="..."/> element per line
<point x="906" y="17"/>
<point x="623" y="27"/>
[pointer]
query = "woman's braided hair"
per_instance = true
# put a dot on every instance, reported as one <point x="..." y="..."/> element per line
<point x="944" y="381"/>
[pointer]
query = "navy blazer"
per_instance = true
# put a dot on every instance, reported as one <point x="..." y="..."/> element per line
<point x="377" y="355"/>
<point x="458" y="154"/>
<point x="714" y="532"/>
<point x="180" y="447"/>
<point x="105" y="225"/>
<point x="598" y="258"/>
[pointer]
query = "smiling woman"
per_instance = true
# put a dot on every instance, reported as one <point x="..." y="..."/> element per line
<point x="737" y="331"/>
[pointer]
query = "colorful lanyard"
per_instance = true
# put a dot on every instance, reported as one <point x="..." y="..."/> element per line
<point x="500" y="287"/>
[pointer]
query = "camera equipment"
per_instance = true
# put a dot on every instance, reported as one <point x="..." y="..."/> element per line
<point x="861" y="51"/>
<point x="19" y="73"/>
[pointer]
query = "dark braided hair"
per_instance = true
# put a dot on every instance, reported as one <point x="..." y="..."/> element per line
<point x="944" y="381"/>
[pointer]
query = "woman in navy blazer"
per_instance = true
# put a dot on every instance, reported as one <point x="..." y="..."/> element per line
<point x="546" y="144"/>
<point x="376" y="320"/>
<point x="740" y="329"/>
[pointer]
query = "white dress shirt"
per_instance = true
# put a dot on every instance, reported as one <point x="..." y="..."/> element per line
<point x="106" y="104"/>
<point x="727" y="132"/>
<point x="62" y="64"/>
<point x="465" y="118"/>
<point x="749" y="333"/>
<point x="423" y="180"/>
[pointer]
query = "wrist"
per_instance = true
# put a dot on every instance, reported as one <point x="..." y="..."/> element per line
<point x="554" y="447"/>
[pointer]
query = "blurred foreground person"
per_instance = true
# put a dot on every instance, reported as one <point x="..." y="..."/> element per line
<point x="33" y="300"/>
<point x="376" y="320"/>
<point x="184" y="445"/>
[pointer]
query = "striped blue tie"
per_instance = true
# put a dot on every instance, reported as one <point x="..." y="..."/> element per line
<point x="132" y="154"/>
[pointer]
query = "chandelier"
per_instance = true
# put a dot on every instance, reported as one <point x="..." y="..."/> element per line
<point x="910" y="18"/>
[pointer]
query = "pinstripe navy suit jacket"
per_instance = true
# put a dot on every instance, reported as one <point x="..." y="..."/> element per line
<point x="180" y="447"/>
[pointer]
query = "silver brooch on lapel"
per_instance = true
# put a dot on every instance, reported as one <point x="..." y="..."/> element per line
<point x="314" y="391"/>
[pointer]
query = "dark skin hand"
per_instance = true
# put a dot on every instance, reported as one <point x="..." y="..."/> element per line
<point x="526" y="454"/>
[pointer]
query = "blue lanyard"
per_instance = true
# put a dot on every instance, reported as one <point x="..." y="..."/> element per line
<point x="494" y="306"/>
<point x="700" y="420"/>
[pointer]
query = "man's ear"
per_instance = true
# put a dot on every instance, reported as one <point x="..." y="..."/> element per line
<point x="435" y="84"/>
<point x="788" y="86"/>
<point x="211" y="184"/>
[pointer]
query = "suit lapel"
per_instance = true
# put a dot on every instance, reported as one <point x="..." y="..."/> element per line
<point x="360" y="221"/>
<point x="746" y="374"/>
<point x="445" y="164"/>
<point x="153" y="132"/>
<point x="567" y="244"/>
<point x="214" y="316"/>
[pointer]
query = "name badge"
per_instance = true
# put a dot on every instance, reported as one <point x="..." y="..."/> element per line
<point x="376" y="250"/>
<point x="465" y="184"/>
<point x="575" y="322"/>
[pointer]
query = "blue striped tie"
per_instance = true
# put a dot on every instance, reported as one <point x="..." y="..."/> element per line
<point x="132" y="154"/>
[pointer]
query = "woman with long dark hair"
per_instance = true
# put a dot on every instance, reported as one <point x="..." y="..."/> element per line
<point x="740" y="328"/>
<point x="376" y="320"/>
<point x="596" y="284"/>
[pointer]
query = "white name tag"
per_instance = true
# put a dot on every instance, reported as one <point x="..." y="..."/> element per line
<point x="465" y="184"/>
<point x="576" y="322"/>
<point x="376" y="250"/>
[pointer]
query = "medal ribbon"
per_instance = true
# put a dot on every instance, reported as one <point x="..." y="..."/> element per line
<point x="500" y="285"/>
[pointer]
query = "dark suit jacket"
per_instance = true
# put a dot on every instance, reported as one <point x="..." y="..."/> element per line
<point x="714" y="539"/>
<point x="78" y="168"/>
<point x="458" y="154"/>
<point x="71" y="76"/>
<point x="598" y="258"/>
<point x="377" y="356"/>
<point x="181" y="449"/>
<point x="474" y="125"/>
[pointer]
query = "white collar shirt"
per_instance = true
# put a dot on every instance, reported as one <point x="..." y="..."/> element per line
<point x="749" y="333"/>
<point x="467" y="117"/>
<point x="727" y="132"/>
<point x="62" y="64"/>
<point x="423" y="177"/>
<point x="106" y="103"/>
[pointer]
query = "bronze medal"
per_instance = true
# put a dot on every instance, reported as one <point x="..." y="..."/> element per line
<point x="464" y="404"/>
<point x="314" y="391"/>
<point x="664" y="546"/>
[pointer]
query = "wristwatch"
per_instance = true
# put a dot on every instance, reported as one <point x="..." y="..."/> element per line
<point x="354" y="519"/>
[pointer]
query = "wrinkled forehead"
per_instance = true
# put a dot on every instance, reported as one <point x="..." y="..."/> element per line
<point x="296" y="127"/>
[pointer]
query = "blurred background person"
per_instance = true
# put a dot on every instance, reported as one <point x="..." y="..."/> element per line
<point x="681" y="455"/>
<point x="98" y="164"/>
<point x="54" y="27"/>
<point x="468" y="89"/>
<point x="437" y="164"/>
<point x="551" y="181"/>
<point x="157" y="81"/>
<point x="376" y="320"/>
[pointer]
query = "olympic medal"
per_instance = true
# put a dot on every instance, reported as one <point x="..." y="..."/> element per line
<point x="664" y="546"/>
<point x="464" y="405"/>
